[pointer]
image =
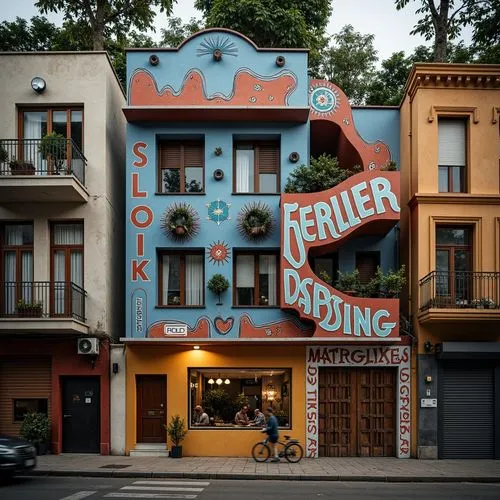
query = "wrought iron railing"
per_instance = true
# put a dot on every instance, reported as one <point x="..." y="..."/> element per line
<point x="42" y="299"/>
<point x="45" y="156"/>
<point x="460" y="289"/>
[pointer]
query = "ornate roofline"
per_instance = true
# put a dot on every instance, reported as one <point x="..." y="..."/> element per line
<point x="445" y="75"/>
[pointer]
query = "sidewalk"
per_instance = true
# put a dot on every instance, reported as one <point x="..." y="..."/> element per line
<point x="321" y="469"/>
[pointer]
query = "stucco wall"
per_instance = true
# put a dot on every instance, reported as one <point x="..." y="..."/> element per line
<point x="118" y="398"/>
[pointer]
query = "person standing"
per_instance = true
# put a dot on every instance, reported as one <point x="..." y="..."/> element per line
<point x="272" y="431"/>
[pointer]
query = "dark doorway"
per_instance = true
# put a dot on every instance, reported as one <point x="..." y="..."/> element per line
<point x="81" y="414"/>
<point x="357" y="412"/>
<point x="151" y="408"/>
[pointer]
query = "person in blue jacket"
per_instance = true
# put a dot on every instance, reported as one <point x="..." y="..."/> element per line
<point x="272" y="431"/>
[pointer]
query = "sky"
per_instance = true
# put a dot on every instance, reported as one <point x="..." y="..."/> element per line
<point x="379" y="17"/>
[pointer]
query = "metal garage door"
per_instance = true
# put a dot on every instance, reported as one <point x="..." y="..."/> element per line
<point x="466" y="411"/>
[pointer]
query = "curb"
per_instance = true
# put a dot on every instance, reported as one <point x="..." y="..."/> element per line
<point x="265" y="477"/>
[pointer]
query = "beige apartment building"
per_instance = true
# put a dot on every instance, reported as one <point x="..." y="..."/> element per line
<point x="61" y="242"/>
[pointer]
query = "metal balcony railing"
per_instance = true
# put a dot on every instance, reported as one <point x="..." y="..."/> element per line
<point x="41" y="157"/>
<point x="42" y="299"/>
<point x="459" y="290"/>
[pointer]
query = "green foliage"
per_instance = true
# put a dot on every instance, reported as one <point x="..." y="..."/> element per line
<point x="218" y="284"/>
<point x="326" y="277"/>
<point x="218" y="404"/>
<point x="323" y="173"/>
<point x="176" y="430"/>
<point x="393" y="282"/>
<point x="274" y="23"/>
<point x="348" y="282"/>
<point x="350" y="63"/>
<point x="53" y="148"/>
<point x="176" y="32"/>
<point x="390" y="166"/>
<point x="4" y="154"/>
<point x="108" y="17"/>
<point x="35" y="428"/>
<point x="21" y="35"/>
<point x="181" y="221"/>
<point x="256" y="220"/>
<point x="31" y="308"/>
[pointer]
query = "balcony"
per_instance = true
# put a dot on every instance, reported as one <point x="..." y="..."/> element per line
<point x="455" y="297"/>
<point x="42" y="307"/>
<point x="42" y="170"/>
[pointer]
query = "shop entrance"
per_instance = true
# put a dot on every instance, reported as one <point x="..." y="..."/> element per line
<point x="357" y="412"/>
<point x="151" y="408"/>
<point x="81" y="414"/>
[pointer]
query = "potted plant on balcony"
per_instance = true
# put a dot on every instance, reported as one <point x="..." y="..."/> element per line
<point x="393" y="282"/>
<point x="484" y="303"/>
<point x="180" y="221"/>
<point x="348" y="282"/>
<point x="30" y="309"/>
<point x="4" y="155"/>
<point x="53" y="148"/>
<point x="176" y="431"/>
<point x="35" y="428"/>
<point x="20" y="167"/>
<point x="255" y="221"/>
<point x="218" y="284"/>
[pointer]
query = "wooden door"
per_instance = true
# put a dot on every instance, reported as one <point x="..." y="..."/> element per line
<point x="151" y="408"/>
<point x="356" y="412"/>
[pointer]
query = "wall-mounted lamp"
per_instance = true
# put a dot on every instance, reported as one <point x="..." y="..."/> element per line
<point x="115" y="368"/>
<point x="154" y="60"/>
<point x="196" y="347"/>
<point x="428" y="347"/>
<point x="428" y="379"/>
<point x="38" y="84"/>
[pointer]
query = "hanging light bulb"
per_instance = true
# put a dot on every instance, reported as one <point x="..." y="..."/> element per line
<point x="227" y="381"/>
<point x="218" y="381"/>
<point x="211" y="381"/>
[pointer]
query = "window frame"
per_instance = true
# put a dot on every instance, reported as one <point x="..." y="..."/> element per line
<point x="14" y="416"/>
<point x="182" y="167"/>
<point x="19" y="249"/>
<point x="182" y="276"/>
<point x="256" y="144"/>
<point x="235" y="427"/>
<point x="464" y="169"/>
<point x="256" y="254"/>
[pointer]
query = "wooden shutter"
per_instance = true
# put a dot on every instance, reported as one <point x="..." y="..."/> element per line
<point x="193" y="155"/>
<point x="366" y="264"/>
<point x="170" y="155"/>
<point x="268" y="159"/>
<point x="22" y="378"/>
<point x="451" y="142"/>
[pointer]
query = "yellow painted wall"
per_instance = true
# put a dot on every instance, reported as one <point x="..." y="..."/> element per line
<point x="174" y="362"/>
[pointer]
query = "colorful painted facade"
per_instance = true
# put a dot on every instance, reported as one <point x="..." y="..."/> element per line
<point x="450" y="227"/>
<point x="214" y="129"/>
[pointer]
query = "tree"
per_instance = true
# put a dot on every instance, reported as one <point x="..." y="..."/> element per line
<point x="23" y="36"/>
<point x="350" y="63"/>
<point x="274" y="23"/>
<point x="107" y="17"/>
<point x="444" y="22"/>
<point x="176" y="31"/>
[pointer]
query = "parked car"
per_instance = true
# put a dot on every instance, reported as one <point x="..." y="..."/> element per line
<point x="16" y="456"/>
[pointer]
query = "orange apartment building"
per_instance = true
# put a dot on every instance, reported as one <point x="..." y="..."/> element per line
<point x="450" y="241"/>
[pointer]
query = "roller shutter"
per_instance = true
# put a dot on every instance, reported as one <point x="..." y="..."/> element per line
<point x="22" y="378"/>
<point x="467" y="411"/>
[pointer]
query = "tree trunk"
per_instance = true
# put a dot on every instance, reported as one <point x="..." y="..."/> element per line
<point x="441" y="27"/>
<point x="98" y="27"/>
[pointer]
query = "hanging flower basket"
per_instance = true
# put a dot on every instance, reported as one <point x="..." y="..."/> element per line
<point x="255" y="221"/>
<point x="180" y="222"/>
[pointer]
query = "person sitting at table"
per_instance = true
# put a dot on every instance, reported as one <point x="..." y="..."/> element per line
<point x="200" y="417"/>
<point x="241" y="417"/>
<point x="260" y="419"/>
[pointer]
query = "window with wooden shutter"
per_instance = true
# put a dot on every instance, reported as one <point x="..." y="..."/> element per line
<point x="366" y="264"/>
<point x="452" y="133"/>
<point x="181" y="167"/>
<point x="256" y="167"/>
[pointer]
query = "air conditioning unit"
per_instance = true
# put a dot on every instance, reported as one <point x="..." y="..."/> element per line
<point x="88" y="345"/>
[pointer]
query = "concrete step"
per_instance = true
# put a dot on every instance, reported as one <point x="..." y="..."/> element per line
<point x="149" y="450"/>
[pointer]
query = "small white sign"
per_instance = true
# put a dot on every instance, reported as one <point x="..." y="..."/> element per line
<point x="175" y="330"/>
<point x="428" y="403"/>
<point x="88" y="400"/>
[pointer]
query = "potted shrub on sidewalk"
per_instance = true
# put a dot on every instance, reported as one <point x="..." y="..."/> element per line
<point x="35" y="428"/>
<point x="176" y="431"/>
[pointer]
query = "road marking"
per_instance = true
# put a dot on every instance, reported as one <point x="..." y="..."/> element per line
<point x="79" y="495"/>
<point x="148" y="495"/>
<point x="174" y="483"/>
<point x="162" y="488"/>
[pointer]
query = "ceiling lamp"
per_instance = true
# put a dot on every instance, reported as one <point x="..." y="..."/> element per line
<point x="218" y="381"/>
<point x="211" y="381"/>
<point x="227" y="381"/>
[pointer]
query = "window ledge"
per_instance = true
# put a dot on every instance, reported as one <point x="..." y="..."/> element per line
<point x="255" y="307"/>
<point x="231" y="427"/>
<point x="158" y="193"/>
<point x="256" y="194"/>
<point x="180" y="307"/>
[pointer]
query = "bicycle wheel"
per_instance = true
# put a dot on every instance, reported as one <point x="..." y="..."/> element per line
<point x="261" y="452"/>
<point x="294" y="453"/>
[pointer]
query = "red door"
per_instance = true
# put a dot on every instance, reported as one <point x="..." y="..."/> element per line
<point x="151" y="408"/>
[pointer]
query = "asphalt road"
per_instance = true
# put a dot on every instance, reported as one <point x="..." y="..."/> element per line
<point x="79" y="488"/>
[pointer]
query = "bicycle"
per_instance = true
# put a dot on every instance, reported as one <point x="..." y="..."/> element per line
<point x="291" y="450"/>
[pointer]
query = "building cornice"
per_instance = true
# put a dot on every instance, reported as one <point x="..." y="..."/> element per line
<point x="440" y="75"/>
<point x="454" y="199"/>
